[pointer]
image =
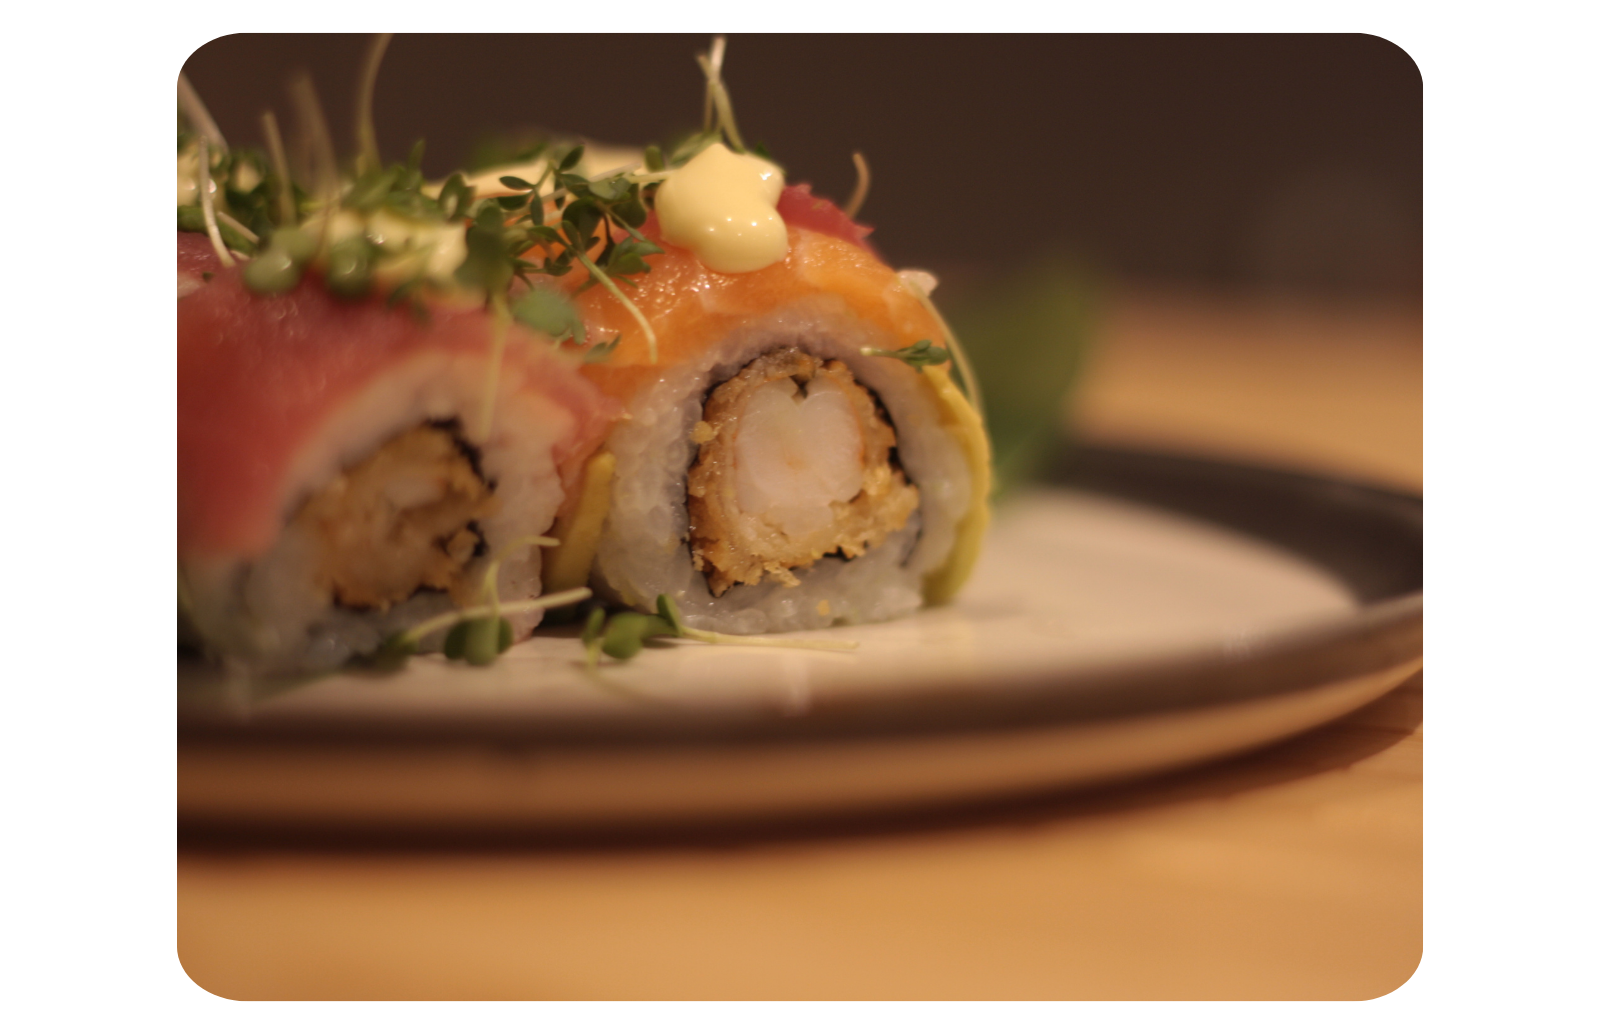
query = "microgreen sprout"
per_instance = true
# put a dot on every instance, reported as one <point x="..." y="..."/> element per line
<point x="616" y="292"/>
<point x="208" y="205"/>
<point x="666" y="607"/>
<point x="964" y="377"/>
<point x="366" y="135"/>
<point x="228" y="221"/>
<point x="403" y="644"/>
<point x="478" y="641"/>
<point x="325" y="164"/>
<point x="921" y="354"/>
<point x="625" y="634"/>
<point x="287" y="212"/>
<point x="195" y="111"/>
<point x="491" y="572"/>
<point x="602" y="350"/>
<point x="550" y="312"/>
<point x="479" y="634"/>
<point x="719" y="107"/>
<point x="858" y="197"/>
<point x="594" y="635"/>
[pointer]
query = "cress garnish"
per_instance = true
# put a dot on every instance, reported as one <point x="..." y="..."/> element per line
<point x="626" y="632"/>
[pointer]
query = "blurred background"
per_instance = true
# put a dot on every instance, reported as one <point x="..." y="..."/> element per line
<point x="1227" y="161"/>
<point x="1175" y="241"/>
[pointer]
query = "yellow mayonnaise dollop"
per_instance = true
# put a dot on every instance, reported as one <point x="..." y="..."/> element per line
<point x="723" y="207"/>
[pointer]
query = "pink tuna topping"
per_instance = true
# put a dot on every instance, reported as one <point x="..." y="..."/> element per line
<point x="798" y="207"/>
<point x="258" y="378"/>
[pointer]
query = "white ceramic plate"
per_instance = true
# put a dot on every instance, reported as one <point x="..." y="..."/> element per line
<point x="1143" y="613"/>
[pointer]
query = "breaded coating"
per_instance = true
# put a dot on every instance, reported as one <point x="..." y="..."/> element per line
<point x="399" y="521"/>
<point x="734" y="546"/>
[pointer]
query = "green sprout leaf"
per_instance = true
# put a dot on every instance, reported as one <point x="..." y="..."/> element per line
<point x="921" y="354"/>
<point x="547" y="310"/>
<point x="593" y="625"/>
<point x="455" y="197"/>
<point x="393" y="652"/>
<point x="627" y="258"/>
<point x="455" y="641"/>
<point x="478" y="641"/>
<point x="294" y="242"/>
<point x="602" y="351"/>
<point x="594" y="635"/>
<point x="581" y="218"/>
<point x="626" y="633"/>
<point x="487" y="264"/>
<point x="370" y="190"/>
<point x="349" y="270"/>
<point x="613" y="189"/>
<point x="274" y="271"/>
<point x="191" y="219"/>
<point x="667" y="608"/>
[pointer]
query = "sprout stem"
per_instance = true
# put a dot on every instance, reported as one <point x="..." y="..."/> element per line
<point x="304" y="95"/>
<point x="526" y="540"/>
<point x="711" y="64"/>
<point x="717" y="100"/>
<point x="417" y="633"/>
<point x="963" y="367"/>
<point x="649" y="177"/>
<point x="616" y="292"/>
<point x="858" y="197"/>
<point x="491" y="574"/>
<point x="621" y="170"/>
<point x="208" y="207"/>
<point x="194" y="110"/>
<point x="366" y="132"/>
<point x="723" y="639"/>
<point x="243" y="230"/>
<point x="280" y="168"/>
<point x="725" y="116"/>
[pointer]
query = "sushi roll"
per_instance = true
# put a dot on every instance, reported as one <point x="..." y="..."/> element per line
<point x="797" y="453"/>
<point x="679" y="380"/>
<point x="347" y="469"/>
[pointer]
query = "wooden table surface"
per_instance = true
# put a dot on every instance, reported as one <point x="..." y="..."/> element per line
<point x="1294" y="872"/>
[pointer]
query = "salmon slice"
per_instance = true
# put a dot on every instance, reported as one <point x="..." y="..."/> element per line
<point x="690" y="306"/>
<point x="733" y="482"/>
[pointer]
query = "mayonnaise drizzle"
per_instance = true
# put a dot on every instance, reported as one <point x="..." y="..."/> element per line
<point x="723" y="207"/>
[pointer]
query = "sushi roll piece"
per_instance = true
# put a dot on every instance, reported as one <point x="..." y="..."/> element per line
<point x="703" y="383"/>
<point x="348" y="469"/>
<point x="797" y="453"/>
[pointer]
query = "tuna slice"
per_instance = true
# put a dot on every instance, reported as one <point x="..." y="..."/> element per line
<point x="281" y="397"/>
